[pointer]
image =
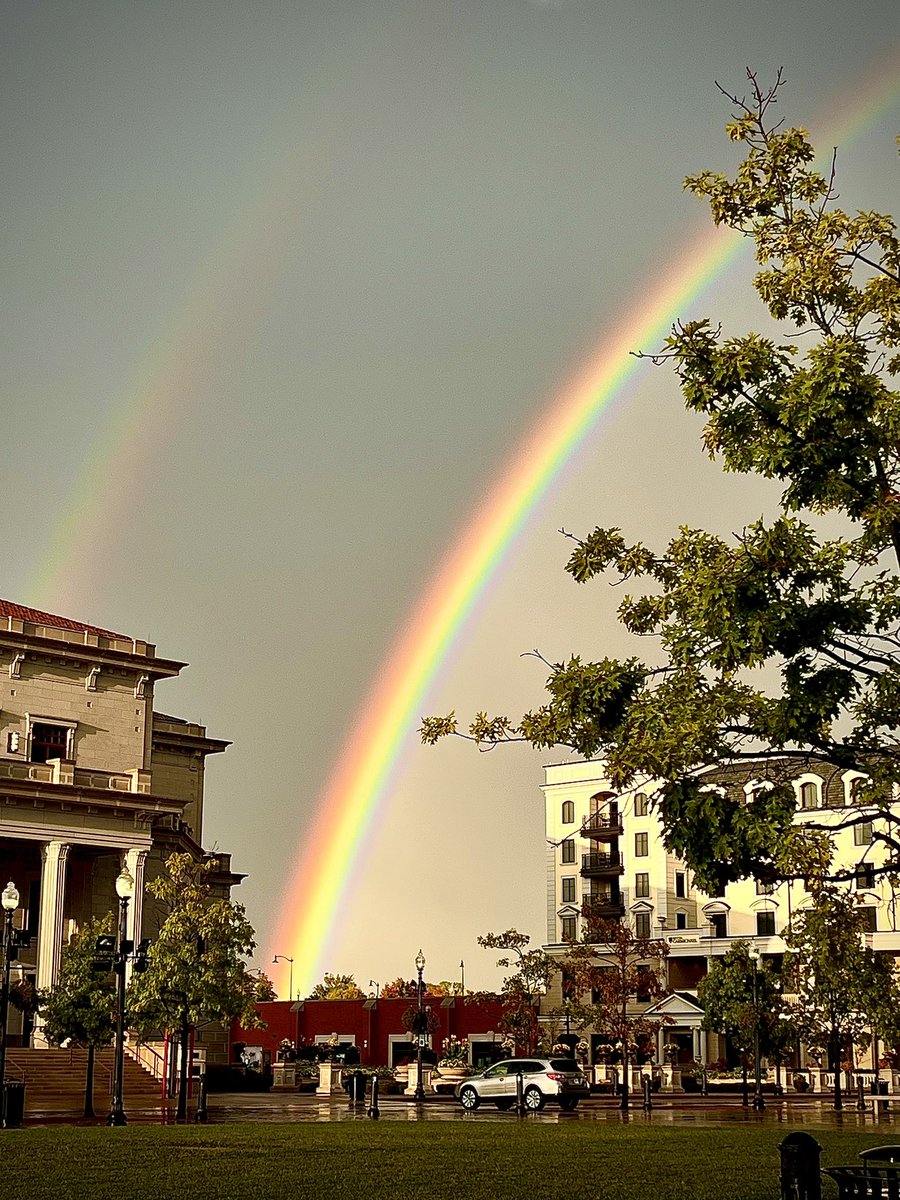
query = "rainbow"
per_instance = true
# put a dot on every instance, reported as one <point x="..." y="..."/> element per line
<point x="370" y="761"/>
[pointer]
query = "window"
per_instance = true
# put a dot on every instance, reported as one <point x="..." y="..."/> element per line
<point x="568" y="812"/>
<point x="719" y="922"/>
<point x="680" y="884"/>
<point x="642" y="883"/>
<point x="568" y="850"/>
<point x="569" y="929"/>
<point x="568" y="889"/>
<point x="681" y="920"/>
<point x="641" y="845"/>
<point x="640" y="805"/>
<point x="642" y="925"/>
<point x="862" y="834"/>
<point x="48" y="741"/>
<point x="869" y="916"/>
<point x="865" y="877"/>
<point x="643" y="982"/>
<point x="764" y="889"/>
<point x="765" y="924"/>
<point x="809" y="795"/>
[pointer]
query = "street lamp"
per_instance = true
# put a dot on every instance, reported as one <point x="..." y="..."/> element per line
<point x="758" y="1102"/>
<point x="420" y="1028"/>
<point x="9" y="899"/>
<point x="284" y="958"/>
<point x="124" y="890"/>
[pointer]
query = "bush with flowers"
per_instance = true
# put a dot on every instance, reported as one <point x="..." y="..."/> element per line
<point x="454" y="1052"/>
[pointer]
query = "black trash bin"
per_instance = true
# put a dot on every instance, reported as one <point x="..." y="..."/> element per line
<point x="13" y="1103"/>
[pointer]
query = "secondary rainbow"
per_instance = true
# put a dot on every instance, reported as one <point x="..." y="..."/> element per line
<point x="371" y="759"/>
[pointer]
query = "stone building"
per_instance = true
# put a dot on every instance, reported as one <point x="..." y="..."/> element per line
<point x="91" y="778"/>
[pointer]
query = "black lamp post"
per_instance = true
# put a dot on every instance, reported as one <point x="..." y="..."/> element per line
<point x="10" y="901"/>
<point x="758" y="1102"/>
<point x="124" y="890"/>
<point x="284" y="958"/>
<point x="420" y="1027"/>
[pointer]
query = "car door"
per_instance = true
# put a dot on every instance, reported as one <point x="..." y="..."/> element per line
<point x="495" y="1081"/>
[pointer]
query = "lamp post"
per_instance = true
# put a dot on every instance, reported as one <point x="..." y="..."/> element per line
<point x="758" y="1102"/>
<point x="124" y="890"/>
<point x="284" y="958"/>
<point x="420" y="1028"/>
<point x="10" y="901"/>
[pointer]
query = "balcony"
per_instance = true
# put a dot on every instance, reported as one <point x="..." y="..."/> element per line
<point x="604" y="827"/>
<point x="598" y="865"/>
<point x="604" y="906"/>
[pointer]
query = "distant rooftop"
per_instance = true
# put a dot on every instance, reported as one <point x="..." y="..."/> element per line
<point x="35" y="617"/>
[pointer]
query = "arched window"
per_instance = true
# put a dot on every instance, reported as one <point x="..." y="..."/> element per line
<point x="568" y="812"/>
<point x="809" y="795"/>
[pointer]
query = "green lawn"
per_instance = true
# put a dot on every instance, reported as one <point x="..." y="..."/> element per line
<point x="370" y="1161"/>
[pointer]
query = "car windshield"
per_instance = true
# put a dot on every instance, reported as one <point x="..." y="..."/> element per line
<point x="564" y="1064"/>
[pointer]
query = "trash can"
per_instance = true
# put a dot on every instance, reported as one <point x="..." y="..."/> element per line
<point x="13" y="1103"/>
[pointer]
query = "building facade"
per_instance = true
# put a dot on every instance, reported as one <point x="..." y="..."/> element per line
<point x="605" y="849"/>
<point x="91" y="778"/>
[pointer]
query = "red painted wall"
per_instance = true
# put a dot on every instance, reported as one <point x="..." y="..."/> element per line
<point x="369" y="1027"/>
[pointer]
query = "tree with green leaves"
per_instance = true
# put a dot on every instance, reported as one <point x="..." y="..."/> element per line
<point x="777" y="647"/>
<point x="196" y="969"/>
<point x="81" y="1006"/>
<point x="336" y="987"/>
<point x="612" y="969"/>
<point x="734" y="1009"/>
<point x="838" y="988"/>
<point x="531" y="972"/>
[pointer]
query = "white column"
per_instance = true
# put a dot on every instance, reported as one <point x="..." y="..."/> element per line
<point x="50" y="928"/>
<point x="699" y="1055"/>
<point x="134" y="861"/>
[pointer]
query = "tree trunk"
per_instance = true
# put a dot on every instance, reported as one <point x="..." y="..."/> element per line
<point x="89" y="1083"/>
<point x="181" y="1113"/>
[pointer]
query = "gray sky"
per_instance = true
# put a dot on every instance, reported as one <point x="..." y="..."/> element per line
<point x="284" y="284"/>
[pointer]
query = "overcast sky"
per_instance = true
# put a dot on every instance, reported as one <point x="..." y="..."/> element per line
<point x="284" y="285"/>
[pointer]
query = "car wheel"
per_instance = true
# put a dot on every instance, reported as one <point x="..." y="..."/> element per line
<point x="469" y="1099"/>
<point x="534" y="1099"/>
<point x="504" y="1105"/>
<point x="568" y="1103"/>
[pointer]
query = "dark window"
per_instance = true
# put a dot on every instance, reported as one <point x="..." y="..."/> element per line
<point x="869" y="918"/>
<point x="865" y="877"/>
<point x="48" y="741"/>
<point x="680" y="888"/>
<point x="765" y="924"/>
<point x="642" y="925"/>
<point x="719" y="922"/>
<point x="640" y="805"/>
<point x="568" y="812"/>
<point x="641" y="845"/>
<point x="643" y="983"/>
<point x="568" y="850"/>
<point x="681" y="920"/>
<point x="569" y="929"/>
<point x="764" y="889"/>
<point x="642" y="884"/>
<point x="568" y="889"/>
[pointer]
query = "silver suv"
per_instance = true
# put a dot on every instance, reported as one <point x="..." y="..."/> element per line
<point x="543" y="1079"/>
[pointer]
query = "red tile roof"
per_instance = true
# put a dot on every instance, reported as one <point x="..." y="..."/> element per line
<point x="20" y="613"/>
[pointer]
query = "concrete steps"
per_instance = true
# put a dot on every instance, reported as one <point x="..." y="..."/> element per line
<point x="55" y="1079"/>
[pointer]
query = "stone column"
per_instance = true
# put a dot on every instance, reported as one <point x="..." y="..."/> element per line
<point x="50" y="928"/>
<point x="134" y="861"/>
<point x="697" y="1051"/>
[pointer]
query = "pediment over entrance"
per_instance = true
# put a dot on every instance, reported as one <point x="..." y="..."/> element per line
<point x="679" y="1006"/>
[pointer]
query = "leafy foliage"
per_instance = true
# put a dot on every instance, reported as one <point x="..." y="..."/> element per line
<point x="336" y="987"/>
<point x="727" y="996"/>
<point x="531" y="971"/>
<point x="814" y="411"/>
<point x="82" y="1004"/>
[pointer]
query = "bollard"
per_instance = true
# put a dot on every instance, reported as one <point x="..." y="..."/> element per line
<point x="704" y="1082"/>
<point x="520" y="1096"/>
<point x="373" y="1106"/>
<point x="647" y="1085"/>
<point x="861" y="1105"/>
<point x="201" y="1113"/>
<point x="801" y="1177"/>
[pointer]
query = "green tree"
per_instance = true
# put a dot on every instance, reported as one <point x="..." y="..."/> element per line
<point x="336" y="987"/>
<point x="531" y="972"/>
<point x="776" y="647"/>
<point x="840" y="988"/>
<point x="81" y="1006"/>
<point x="196" y="971"/>
<point x="616" y="968"/>
<point x="731" y="1008"/>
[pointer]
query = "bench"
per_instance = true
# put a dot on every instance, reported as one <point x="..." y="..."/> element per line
<point x="868" y="1182"/>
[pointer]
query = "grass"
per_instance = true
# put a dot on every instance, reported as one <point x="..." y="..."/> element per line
<point x="371" y="1161"/>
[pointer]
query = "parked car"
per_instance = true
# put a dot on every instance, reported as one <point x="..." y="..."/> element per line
<point x="543" y="1079"/>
